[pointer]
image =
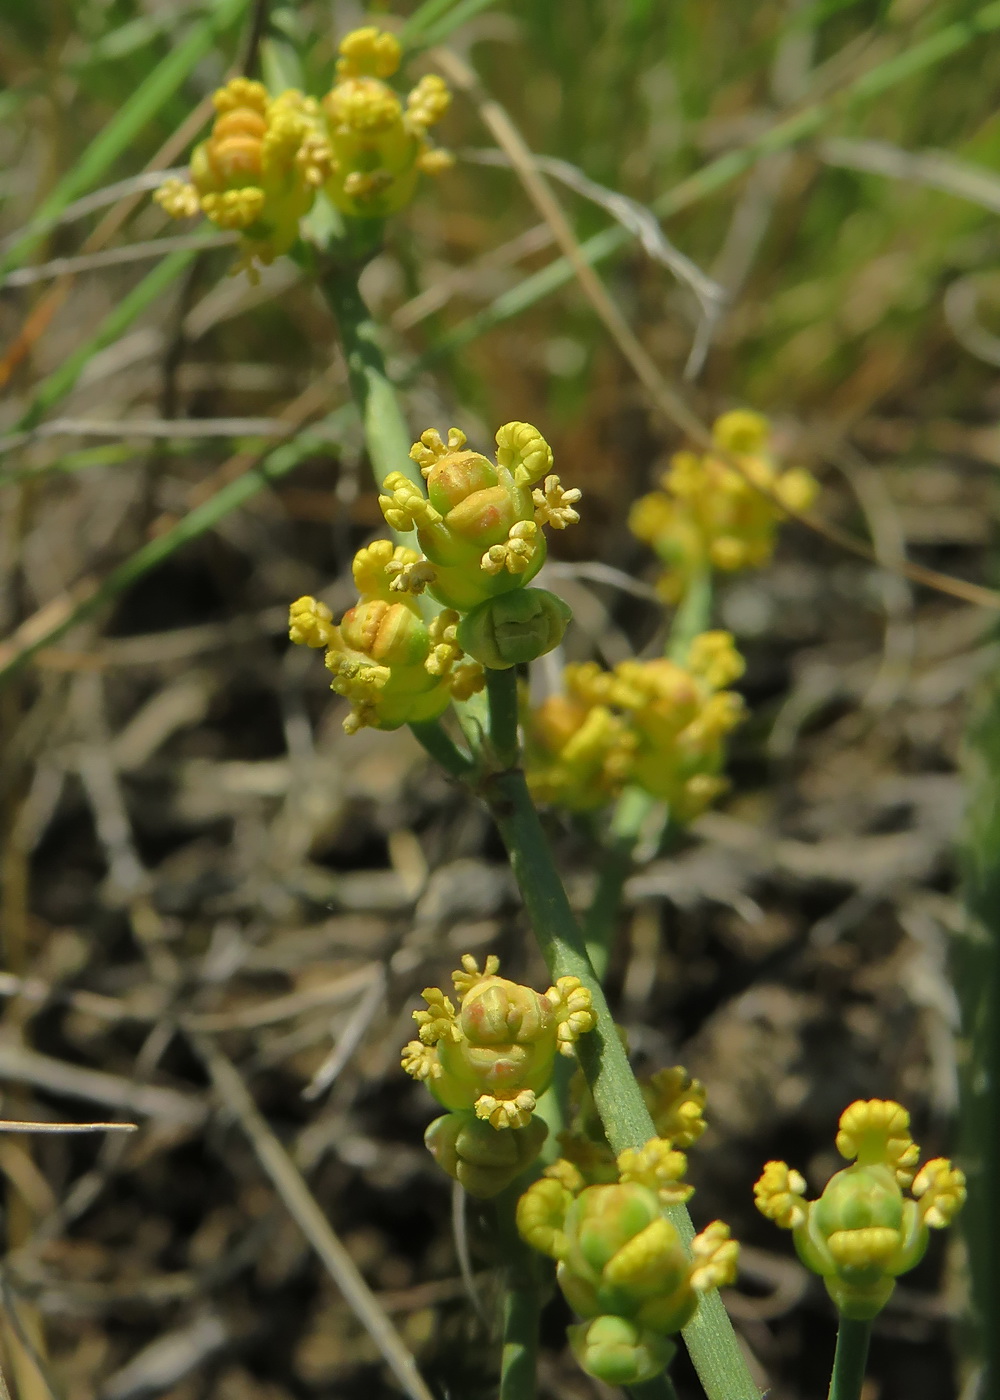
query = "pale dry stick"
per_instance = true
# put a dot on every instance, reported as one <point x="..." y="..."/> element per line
<point x="23" y="1066"/>
<point x="100" y="199"/>
<point x="116" y="257"/>
<point x="640" y="221"/>
<point x="9" y="1125"/>
<point x="350" y="1036"/>
<point x="306" y="1212"/>
<point x="937" y="169"/>
<point x="664" y="396"/>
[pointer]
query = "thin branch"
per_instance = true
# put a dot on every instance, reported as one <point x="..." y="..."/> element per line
<point x="934" y="168"/>
<point x="8" y="1125"/>
<point x="115" y="257"/>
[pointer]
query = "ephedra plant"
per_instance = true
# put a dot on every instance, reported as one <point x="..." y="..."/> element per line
<point x="448" y="619"/>
<point x="583" y="1164"/>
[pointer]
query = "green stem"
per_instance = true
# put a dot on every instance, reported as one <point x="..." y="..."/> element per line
<point x="522" y="1305"/>
<point x="849" y="1359"/>
<point x="387" y="436"/>
<point x="709" y="1336"/>
<point x="442" y="747"/>
<point x="501" y="692"/>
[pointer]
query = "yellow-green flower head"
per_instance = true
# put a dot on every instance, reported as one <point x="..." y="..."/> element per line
<point x="707" y="514"/>
<point x="378" y="146"/>
<point x="620" y="1257"/>
<point x="393" y="666"/>
<point x="479" y="523"/>
<point x="676" y="1104"/>
<point x="863" y="1232"/>
<point x="495" y="1055"/>
<point x="259" y="170"/>
<point x="577" y="755"/>
<point x="659" y="725"/>
<point x="479" y="1157"/>
<point x="514" y="628"/>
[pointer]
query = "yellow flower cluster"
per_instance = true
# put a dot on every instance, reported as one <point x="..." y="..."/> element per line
<point x="622" y="1265"/>
<point x="488" y="1061"/>
<point x="495" y="1054"/>
<point x="676" y="1104"/>
<point x="267" y="157"/>
<point x="655" y="724"/>
<point x="479" y="524"/>
<point x="707" y="515"/>
<point x="863" y="1232"/>
<point x="393" y="666"/>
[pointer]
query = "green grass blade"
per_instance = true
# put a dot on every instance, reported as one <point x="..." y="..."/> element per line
<point x="121" y="131"/>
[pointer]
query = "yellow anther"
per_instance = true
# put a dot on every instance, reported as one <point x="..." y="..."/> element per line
<point x="500" y="1113"/>
<point x="368" y="51"/>
<point x="469" y="975"/>
<point x="240" y="92"/>
<point x="676" y="1104"/>
<point x="713" y="655"/>
<point x="404" y="505"/>
<point x="466" y="680"/>
<point x="716" y="1256"/>
<point x="516" y="555"/>
<point x="235" y="209"/>
<point x="428" y="101"/>
<point x="940" y="1189"/>
<point x="524" y="452"/>
<point x="778" y="1195"/>
<point x="872" y="1247"/>
<point x="430" y="449"/>
<point x="438" y="1021"/>
<point x="310" y="623"/>
<point x="877" y="1132"/>
<point x="178" y="198"/>
<point x="566" y="1174"/>
<point x="420" y="1061"/>
<point x="573" y="1009"/>
<point x="374" y="566"/>
<point x="541" y="1214"/>
<point x="658" y="1166"/>
<point x="411" y="578"/>
<point x="435" y="160"/>
<point x="358" y="681"/>
<point x="741" y="431"/>
<point x="554" y="504"/>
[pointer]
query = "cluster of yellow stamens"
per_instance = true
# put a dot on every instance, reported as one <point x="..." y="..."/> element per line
<point x="267" y="157"/>
<point x="393" y="666"/>
<point x="862" y="1232"/>
<point x="655" y="724"/>
<point x="709" y="515"/>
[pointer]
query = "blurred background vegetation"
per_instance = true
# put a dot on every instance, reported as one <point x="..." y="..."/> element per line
<point x="183" y="823"/>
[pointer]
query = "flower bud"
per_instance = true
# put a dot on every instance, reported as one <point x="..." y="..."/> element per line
<point x="479" y="1157"/>
<point x="514" y="628"/>
<point x="377" y="147"/>
<point x="618" y="1351"/>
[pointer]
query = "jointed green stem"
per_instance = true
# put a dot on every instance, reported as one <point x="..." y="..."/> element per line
<point x="849" y="1359"/>
<point x="522" y="1306"/>
<point x="441" y="747"/>
<point x="501" y="691"/>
